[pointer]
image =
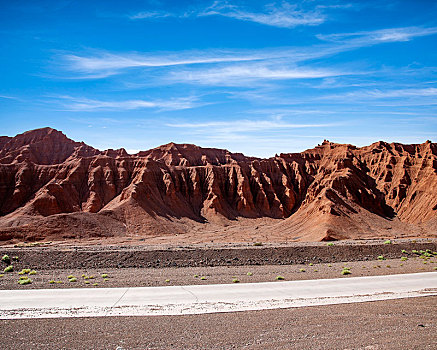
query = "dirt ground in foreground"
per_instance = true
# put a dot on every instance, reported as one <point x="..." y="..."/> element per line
<point x="380" y="325"/>
<point x="141" y="277"/>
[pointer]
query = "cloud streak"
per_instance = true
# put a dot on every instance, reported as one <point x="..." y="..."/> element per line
<point x="84" y="104"/>
<point x="284" y="16"/>
<point x="101" y="64"/>
<point x="244" y="125"/>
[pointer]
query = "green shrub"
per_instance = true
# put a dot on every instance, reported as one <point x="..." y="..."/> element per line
<point x="167" y="280"/>
<point x="249" y="273"/>
<point x="329" y="244"/>
<point x="83" y="275"/>
<point x="104" y="275"/>
<point x="87" y="282"/>
<point x="196" y="276"/>
<point x="59" y="282"/>
<point x="6" y="259"/>
<point x="329" y="265"/>
<point x="257" y="244"/>
<point x="381" y="257"/>
<point x="95" y="284"/>
<point x="52" y="281"/>
<point x="70" y="276"/>
<point x="23" y="278"/>
<point x="387" y="241"/>
<point x="25" y="281"/>
<point x="404" y="258"/>
<point x="106" y="279"/>
<point x="403" y="251"/>
<point x="91" y="277"/>
<point x="203" y="278"/>
<point x="311" y="264"/>
<point x="280" y="278"/>
<point x="302" y="270"/>
<point x="414" y="251"/>
<point x="10" y="268"/>
<point x="435" y="268"/>
<point x="235" y="280"/>
<point x="73" y="279"/>
<point x="346" y="272"/>
<point x="1" y="275"/>
<point x="33" y="272"/>
<point x="316" y="270"/>
<point x="389" y="266"/>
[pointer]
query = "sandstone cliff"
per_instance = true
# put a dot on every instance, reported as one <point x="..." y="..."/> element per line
<point x="53" y="187"/>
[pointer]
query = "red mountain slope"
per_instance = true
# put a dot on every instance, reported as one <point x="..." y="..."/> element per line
<point x="52" y="187"/>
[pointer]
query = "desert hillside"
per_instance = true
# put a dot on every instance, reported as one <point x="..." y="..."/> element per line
<point x="52" y="187"/>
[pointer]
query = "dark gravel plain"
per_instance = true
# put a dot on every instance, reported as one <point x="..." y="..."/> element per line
<point x="380" y="325"/>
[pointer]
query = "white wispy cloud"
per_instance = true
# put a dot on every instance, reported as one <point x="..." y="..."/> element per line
<point x="151" y="14"/>
<point x="85" y="104"/>
<point x="100" y="64"/>
<point x="387" y="94"/>
<point x="285" y="15"/>
<point x="365" y="38"/>
<point x="241" y="74"/>
<point x="244" y="125"/>
<point x="104" y="64"/>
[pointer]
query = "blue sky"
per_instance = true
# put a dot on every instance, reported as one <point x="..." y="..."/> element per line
<point x="258" y="77"/>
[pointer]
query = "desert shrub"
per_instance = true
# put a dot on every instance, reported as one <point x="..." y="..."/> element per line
<point x="59" y="282"/>
<point x="414" y="251"/>
<point x="10" y="268"/>
<point x="70" y="276"/>
<point x="6" y="259"/>
<point x="25" y="281"/>
<point x="167" y="280"/>
<point x="1" y="275"/>
<point x="87" y="282"/>
<point x="404" y="258"/>
<point x="302" y="270"/>
<point x="387" y="241"/>
<point x="52" y="281"/>
<point x="95" y="284"/>
<point x="104" y="275"/>
<point x="389" y="266"/>
<point x="91" y="277"/>
<point x="257" y="244"/>
<point x="311" y="264"/>
<point x="106" y="279"/>
<point x="203" y="278"/>
<point x="74" y="279"/>
<point x="346" y="272"/>
<point x="329" y="244"/>
<point x="280" y="278"/>
<point x="249" y="273"/>
<point x="235" y="280"/>
<point x="403" y="251"/>
<point x="23" y="278"/>
<point x="33" y="272"/>
<point x="381" y="257"/>
<point x="196" y="276"/>
<point x="329" y="265"/>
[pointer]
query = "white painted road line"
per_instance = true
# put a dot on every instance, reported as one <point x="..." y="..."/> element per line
<point x="199" y="299"/>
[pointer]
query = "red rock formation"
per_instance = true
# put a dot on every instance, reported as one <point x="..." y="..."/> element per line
<point x="53" y="186"/>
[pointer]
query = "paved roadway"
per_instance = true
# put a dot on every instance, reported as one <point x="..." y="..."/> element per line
<point x="200" y="299"/>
